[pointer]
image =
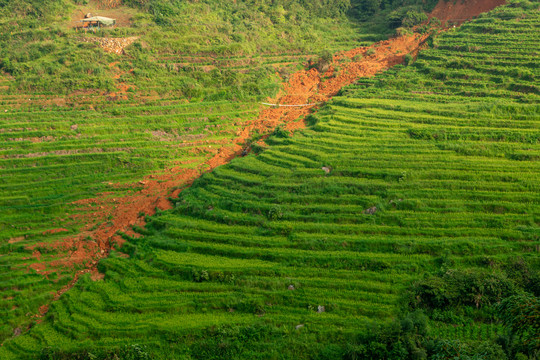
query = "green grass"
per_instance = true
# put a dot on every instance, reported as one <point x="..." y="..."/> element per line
<point x="63" y="140"/>
<point x="449" y="160"/>
<point x="46" y="164"/>
<point x="209" y="49"/>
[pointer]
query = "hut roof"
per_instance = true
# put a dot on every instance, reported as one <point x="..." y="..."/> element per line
<point x="100" y="19"/>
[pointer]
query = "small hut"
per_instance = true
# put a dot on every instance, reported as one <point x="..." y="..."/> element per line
<point x="97" y="22"/>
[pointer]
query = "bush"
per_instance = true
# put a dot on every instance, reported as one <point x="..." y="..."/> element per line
<point x="520" y="314"/>
<point x="325" y="59"/>
<point x="402" y="31"/>
<point x="413" y="18"/>
<point x="408" y="59"/>
<point x="434" y="22"/>
<point x="490" y="351"/>
<point x="457" y="287"/>
<point x="401" y="339"/>
<point x="275" y="213"/>
<point x="280" y="132"/>
<point x="200" y="275"/>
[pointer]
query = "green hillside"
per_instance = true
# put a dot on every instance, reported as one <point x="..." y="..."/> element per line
<point x="402" y="224"/>
<point x="78" y="121"/>
<point x="201" y="72"/>
<point x="182" y="48"/>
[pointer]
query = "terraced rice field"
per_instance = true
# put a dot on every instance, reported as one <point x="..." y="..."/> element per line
<point x="318" y="236"/>
<point x="40" y="149"/>
<point x="50" y="159"/>
<point x="58" y="152"/>
<point x="68" y="162"/>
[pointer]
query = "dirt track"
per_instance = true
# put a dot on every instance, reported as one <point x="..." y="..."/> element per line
<point x="307" y="86"/>
<point x="460" y="11"/>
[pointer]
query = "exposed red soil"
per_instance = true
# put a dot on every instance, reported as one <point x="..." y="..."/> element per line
<point x="16" y="239"/>
<point x="460" y="11"/>
<point x="122" y="87"/>
<point x="107" y="216"/>
<point x="38" y="266"/>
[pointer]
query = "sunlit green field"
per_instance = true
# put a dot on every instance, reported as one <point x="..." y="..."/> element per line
<point x="303" y="249"/>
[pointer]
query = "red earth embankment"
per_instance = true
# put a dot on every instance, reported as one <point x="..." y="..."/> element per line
<point x="458" y="11"/>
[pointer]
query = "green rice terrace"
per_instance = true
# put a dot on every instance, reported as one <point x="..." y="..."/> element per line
<point x="400" y="221"/>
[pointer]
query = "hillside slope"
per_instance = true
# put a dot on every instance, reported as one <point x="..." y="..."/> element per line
<point x="78" y="121"/>
<point x="79" y="166"/>
<point x="175" y="46"/>
<point x="415" y="190"/>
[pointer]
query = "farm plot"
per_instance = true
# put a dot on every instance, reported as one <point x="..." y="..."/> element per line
<point x="50" y="159"/>
<point x="133" y="153"/>
<point x="316" y="238"/>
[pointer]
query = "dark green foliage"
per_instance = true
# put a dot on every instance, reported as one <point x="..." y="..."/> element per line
<point x="520" y="314"/>
<point x="490" y="351"/>
<point x="413" y="18"/>
<point x="408" y="59"/>
<point x="401" y="339"/>
<point x="377" y="9"/>
<point x="459" y="288"/>
<point x="525" y="274"/>
<point x="127" y="352"/>
<point x="200" y="275"/>
<point x="406" y="17"/>
<point x="311" y="120"/>
<point x="456" y="349"/>
<point x="308" y="8"/>
<point x="280" y="132"/>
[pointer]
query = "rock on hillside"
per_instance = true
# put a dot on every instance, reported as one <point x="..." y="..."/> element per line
<point x="112" y="45"/>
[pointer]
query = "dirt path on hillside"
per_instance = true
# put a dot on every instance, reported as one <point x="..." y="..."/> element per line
<point x="460" y="11"/>
<point x="106" y="216"/>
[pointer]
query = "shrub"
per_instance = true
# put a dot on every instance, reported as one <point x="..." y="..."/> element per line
<point x="434" y="21"/>
<point x="275" y="213"/>
<point x="401" y="31"/>
<point x="324" y="61"/>
<point x="408" y="59"/>
<point x="413" y="18"/>
<point x="520" y="314"/>
<point x="200" y="275"/>
<point x="490" y="351"/>
<point x="457" y="287"/>
<point x="280" y="132"/>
